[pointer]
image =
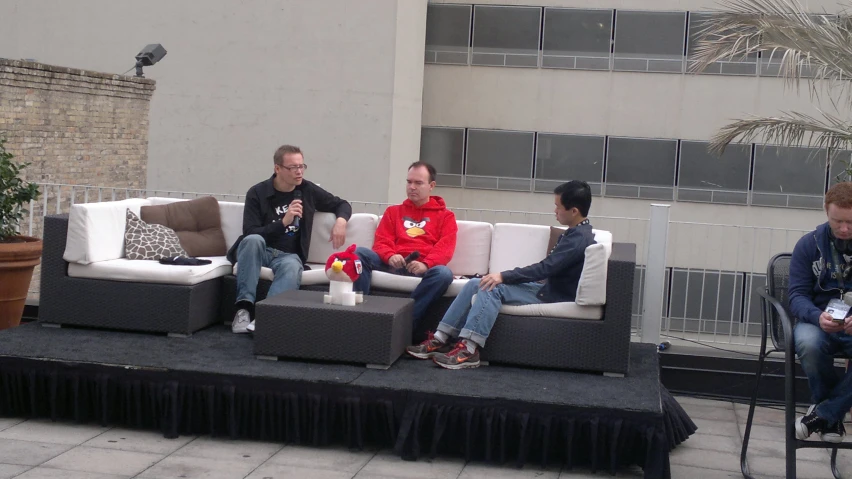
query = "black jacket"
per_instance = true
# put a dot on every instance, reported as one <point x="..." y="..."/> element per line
<point x="561" y="268"/>
<point x="259" y="214"/>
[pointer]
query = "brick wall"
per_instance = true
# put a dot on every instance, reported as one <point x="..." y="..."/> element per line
<point x="75" y="127"/>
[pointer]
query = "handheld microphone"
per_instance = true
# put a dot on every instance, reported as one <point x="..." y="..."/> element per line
<point x="411" y="257"/>
<point x="297" y="195"/>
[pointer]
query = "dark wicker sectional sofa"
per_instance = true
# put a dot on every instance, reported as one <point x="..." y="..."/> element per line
<point x="534" y="341"/>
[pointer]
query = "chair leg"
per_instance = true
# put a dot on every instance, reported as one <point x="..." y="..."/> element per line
<point x="834" y="469"/>
<point x="790" y="412"/>
<point x="752" y="404"/>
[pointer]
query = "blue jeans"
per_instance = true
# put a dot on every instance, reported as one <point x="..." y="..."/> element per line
<point x="475" y="322"/>
<point x="252" y="254"/>
<point x="816" y="348"/>
<point x="434" y="284"/>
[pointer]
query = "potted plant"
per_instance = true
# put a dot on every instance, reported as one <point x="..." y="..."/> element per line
<point x="19" y="255"/>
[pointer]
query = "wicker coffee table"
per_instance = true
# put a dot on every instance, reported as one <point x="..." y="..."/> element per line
<point x="296" y="324"/>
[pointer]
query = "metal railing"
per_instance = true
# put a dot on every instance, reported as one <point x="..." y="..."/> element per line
<point x="711" y="269"/>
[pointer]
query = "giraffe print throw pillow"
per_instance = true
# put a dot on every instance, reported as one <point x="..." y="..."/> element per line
<point x="150" y="241"/>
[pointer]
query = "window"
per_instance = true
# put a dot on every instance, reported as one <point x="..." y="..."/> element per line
<point x="498" y="159"/>
<point x="787" y="176"/>
<point x="732" y="66"/>
<point x="506" y="36"/>
<point x="705" y="301"/>
<point x="447" y="33"/>
<point x="577" y="39"/>
<point x="840" y="161"/>
<point x="649" y="41"/>
<point x="560" y="158"/>
<point x="641" y="168"/>
<point x="443" y="148"/>
<point x="706" y="177"/>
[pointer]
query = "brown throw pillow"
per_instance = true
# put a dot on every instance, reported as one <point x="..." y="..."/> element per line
<point x="196" y="222"/>
<point x="153" y="242"/>
<point x="555" y="233"/>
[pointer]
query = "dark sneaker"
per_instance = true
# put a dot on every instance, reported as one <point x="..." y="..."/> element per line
<point x="429" y="348"/>
<point x="834" y="433"/>
<point x="809" y="424"/>
<point x="458" y="358"/>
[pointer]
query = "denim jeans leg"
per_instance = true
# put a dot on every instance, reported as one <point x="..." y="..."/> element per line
<point x="816" y="353"/>
<point x="455" y="316"/>
<point x="251" y="256"/>
<point x="369" y="261"/>
<point x="287" y="272"/>
<point x="434" y="284"/>
<point x="839" y="400"/>
<point x="485" y="309"/>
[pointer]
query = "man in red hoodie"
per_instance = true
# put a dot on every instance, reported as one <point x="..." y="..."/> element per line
<point x="421" y="224"/>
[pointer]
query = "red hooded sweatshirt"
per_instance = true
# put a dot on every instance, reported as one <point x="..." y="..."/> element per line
<point x="430" y="229"/>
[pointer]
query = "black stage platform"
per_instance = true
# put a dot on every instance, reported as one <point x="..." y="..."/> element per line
<point x="210" y="383"/>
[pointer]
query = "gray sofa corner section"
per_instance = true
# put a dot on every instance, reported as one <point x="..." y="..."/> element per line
<point x="148" y="307"/>
<point x="582" y="344"/>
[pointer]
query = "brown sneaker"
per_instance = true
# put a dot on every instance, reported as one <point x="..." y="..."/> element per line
<point x="458" y="358"/>
<point x="429" y="348"/>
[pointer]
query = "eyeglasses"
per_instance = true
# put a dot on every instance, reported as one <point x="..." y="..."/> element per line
<point x="295" y="167"/>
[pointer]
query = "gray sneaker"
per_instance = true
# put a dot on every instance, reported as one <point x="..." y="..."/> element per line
<point x="250" y="327"/>
<point x="241" y="321"/>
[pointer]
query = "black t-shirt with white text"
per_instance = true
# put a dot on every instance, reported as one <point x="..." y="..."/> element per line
<point x="288" y="241"/>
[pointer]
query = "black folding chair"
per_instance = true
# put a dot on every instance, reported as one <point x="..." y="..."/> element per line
<point x="778" y="322"/>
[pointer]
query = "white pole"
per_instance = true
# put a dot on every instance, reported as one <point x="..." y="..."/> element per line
<point x="655" y="273"/>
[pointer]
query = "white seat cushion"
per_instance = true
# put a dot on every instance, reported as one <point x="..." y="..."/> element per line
<point x="144" y="271"/>
<point x="473" y="248"/>
<point x="406" y="284"/>
<point x="360" y="230"/>
<point x="315" y="275"/>
<point x="554" y="310"/>
<point x="96" y="230"/>
<point x="516" y="245"/>
<point x="394" y="282"/>
<point x="567" y="310"/>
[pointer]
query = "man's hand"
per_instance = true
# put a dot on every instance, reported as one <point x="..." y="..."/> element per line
<point x="396" y="261"/>
<point x="847" y="325"/>
<point x="416" y="268"/>
<point x="829" y="326"/>
<point x="294" y="210"/>
<point x="490" y="281"/>
<point x="338" y="233"/>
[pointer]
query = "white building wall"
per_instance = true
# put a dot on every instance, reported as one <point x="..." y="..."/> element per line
<point x="241" y="78"/>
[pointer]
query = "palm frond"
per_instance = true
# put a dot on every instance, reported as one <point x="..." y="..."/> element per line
<point x="812" y="46"/>
<point x="789" y="129"/>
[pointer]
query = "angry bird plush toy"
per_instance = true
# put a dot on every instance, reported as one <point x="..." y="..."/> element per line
<point x="343" y="269"/>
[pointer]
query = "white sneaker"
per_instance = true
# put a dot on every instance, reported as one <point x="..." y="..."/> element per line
<point x="250" y="327"/>
<point x="241" y="322"/>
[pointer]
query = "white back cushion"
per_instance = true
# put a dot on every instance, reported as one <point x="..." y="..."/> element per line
<point x="473" y="248"/>
<point x="591" y="290"/>
<point x="232" y="221"/>
<point x="516" y="245"/>
<point x="360" y="230"/>
<point x="96" y="230"/>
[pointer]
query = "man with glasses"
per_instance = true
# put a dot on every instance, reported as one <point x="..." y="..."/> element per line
<point x="277" y="221"/>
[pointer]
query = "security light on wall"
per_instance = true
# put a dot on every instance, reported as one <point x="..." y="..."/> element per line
<point x="149" y="55"/>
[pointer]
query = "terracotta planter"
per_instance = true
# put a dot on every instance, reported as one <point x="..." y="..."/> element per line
<point x="17" y="260"/>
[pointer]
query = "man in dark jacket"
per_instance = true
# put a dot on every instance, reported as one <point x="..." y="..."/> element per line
<point x="277" y="222"/>
<point x="820" y="272"/>
<point x="560" y="269"/>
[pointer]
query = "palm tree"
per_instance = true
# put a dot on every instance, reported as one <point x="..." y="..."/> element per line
<point x="810" y="46"/>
